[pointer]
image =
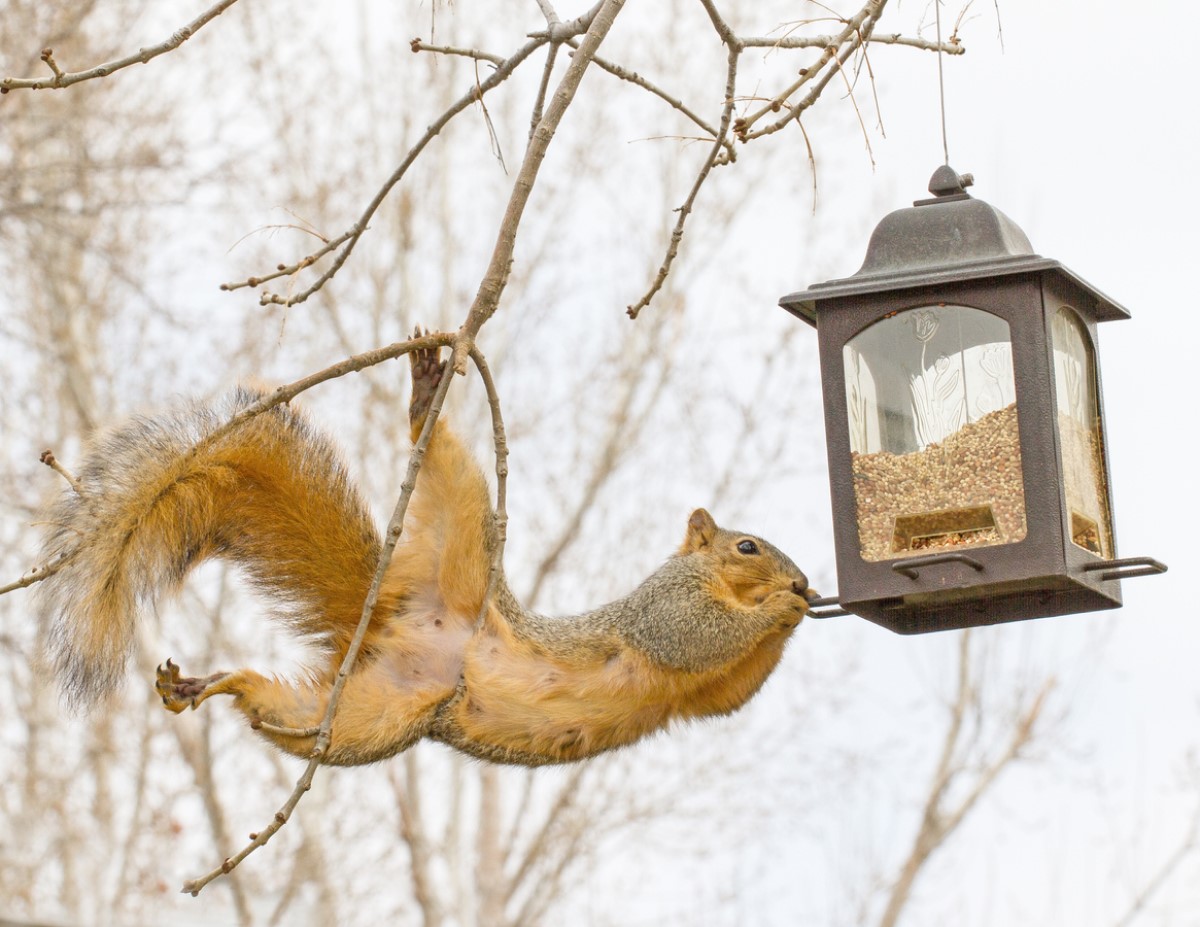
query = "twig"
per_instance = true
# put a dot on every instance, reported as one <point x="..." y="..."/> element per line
<point x="949" y="47"/>
<point x="724" y="30"/>
<point x="858" y="112"/>
<point x="324" y="737"/>
<point x="674" y="102"/>
<point x="260" y="725"/>
<point x="858" y="29"/>
<point x="937" y="822"/>
<point x="39" y="572"/>
<point x="500" y="441"/>
<point x="540" y="100"/>
<point x="287" y="270"/>
<point x="1190" y="841"/>
<point x="558" y="31"/>
<point x="826" y="75"/>
<point x="48" y="57"/>
<point x="493" y="137"/>
<point x="417" y="45"/>
<point x="491" y="287"/>
<point x="47" y="457"/>
<point x="686" y="209"/>
<point x="548" y="11"/>
<point x="352" y="235"/>
<point x="141" y="56"/>
<point x="351" y="364"/>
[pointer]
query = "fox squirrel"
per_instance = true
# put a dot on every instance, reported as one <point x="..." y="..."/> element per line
<point x="161" y="494"/>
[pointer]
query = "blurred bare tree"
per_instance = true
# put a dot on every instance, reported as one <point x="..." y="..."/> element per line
<point x="361" y="181"/>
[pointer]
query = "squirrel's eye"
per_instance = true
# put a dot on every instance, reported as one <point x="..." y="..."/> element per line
<point x="747" y="547"/>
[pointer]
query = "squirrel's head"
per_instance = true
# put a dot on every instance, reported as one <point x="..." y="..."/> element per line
<point x="748" y="566"/>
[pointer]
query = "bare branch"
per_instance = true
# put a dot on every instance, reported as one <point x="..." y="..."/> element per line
<point x="540" y="100"/>
<point x="1187" y="845"/>
<point x="724" y="30"/>
<point x="548" y="11"/>
<point x="391" y="538"/>
<point x="417" y="45"/>
<point x="674" y="102"/>
<point x="561" y="32"/>
<point x="500" y="442"/>
<point x="52" y="462"/>
<point x="857" y="30"/>
<point x="491" y="287"/>
<point x="686" y="209"/>
<point x="141" y="56"/>
<point x="38" y="573"/>
<point x="937" y="821"/>
<point x="350" y="238"/>
<point x="951" y="46"/>
<point x="538" y="845"/>
<point x="412" y="830"/>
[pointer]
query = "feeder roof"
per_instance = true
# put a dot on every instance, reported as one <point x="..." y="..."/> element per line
<point x="947" y="239"/>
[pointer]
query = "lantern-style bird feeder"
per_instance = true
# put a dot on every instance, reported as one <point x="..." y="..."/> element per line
<point x="964" y="424"/>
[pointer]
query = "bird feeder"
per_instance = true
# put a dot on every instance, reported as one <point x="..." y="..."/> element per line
<point x="965" y="429"/>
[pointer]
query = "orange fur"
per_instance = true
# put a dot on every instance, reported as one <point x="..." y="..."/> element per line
<point x="699" y="637"/>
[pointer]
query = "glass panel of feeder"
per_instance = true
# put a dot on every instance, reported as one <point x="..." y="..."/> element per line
<point x="932" y="414"/>
<point x="1081" y="437"/>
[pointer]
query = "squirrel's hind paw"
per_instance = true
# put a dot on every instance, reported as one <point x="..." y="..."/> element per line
<point x="180" y="692"/>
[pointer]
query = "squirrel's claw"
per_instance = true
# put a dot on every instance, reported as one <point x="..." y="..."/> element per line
<point x="179" y="692"/>
<point x="427" y="373"/>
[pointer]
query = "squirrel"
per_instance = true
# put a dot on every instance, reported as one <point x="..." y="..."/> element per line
<point x="160" y="494"/>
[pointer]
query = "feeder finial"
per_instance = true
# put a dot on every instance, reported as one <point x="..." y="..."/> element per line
<point x="948" y="182"/>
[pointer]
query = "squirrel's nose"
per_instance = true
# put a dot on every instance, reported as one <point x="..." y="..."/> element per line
<point x="800" y="587"/>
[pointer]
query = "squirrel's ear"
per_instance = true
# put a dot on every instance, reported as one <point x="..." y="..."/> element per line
<point x="700" y="531"/>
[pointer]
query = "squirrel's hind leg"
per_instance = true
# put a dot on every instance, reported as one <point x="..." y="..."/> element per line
<point x="285" y="714"/>
<point x="378" y="714"/>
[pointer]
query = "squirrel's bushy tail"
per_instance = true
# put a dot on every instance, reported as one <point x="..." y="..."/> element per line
<point x="161" y="494"/>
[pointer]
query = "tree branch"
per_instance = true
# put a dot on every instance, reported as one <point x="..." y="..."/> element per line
<point x="1187" y="845"/>
<point x="350" y="238"/>
<point x="39" y="572"/>
<point x="391" y="538"/>
<point x="491" y="287"/>
<point x="857" y="31"/>
<point x="686" y="209"/>
<point x="141" y="56"/>
<point x="951" y="46"/>
<point x="417" y="45"/>
<point x="415" y="836"/>
<point x="674" y="102"/>
<point x="937" y="822"/>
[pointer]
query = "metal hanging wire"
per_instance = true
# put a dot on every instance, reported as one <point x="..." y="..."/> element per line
<point x="937" y="10"/>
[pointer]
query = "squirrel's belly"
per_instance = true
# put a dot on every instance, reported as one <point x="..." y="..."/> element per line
<point x="520" y="702"/>
<point x="421" y="650"/>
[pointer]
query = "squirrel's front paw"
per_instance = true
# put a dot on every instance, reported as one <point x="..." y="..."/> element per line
<point x="788" y="606"/>
<point x="180" y="692"/>
<point x="427" y="372"/>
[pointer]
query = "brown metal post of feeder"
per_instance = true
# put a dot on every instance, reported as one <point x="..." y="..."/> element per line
<point x="964" y="422"/>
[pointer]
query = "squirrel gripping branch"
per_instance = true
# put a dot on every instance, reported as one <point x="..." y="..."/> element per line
<point x="159" y="495"/>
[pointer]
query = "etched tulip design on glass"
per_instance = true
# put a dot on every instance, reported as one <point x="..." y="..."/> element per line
<point x="938" y="390"/>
